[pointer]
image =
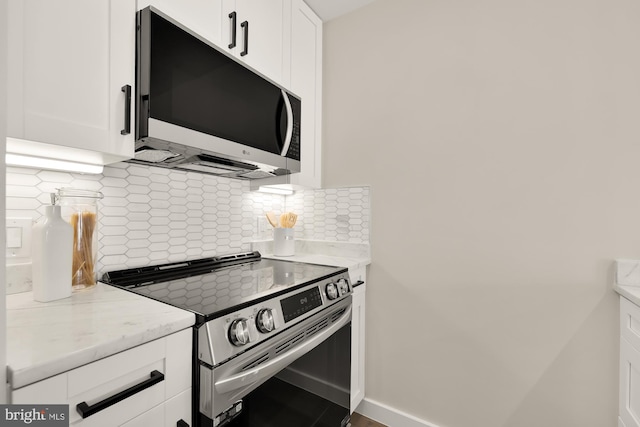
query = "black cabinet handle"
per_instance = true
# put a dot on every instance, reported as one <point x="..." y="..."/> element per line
<point x="245" y="26"/>
<point x="86" y="411"/>
<point x="182" y="423"/>
<point x="127" y="110"/>
<point x="232" y="16"/>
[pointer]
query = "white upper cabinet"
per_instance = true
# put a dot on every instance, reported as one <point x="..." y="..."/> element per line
<point x="71" y="70"/>
<point x="306" y="82"/>
<point x="252" y="31"/>
<point x="257" y="27"/>
<point x="201" y="16"/>
<point x="302" y="73"/>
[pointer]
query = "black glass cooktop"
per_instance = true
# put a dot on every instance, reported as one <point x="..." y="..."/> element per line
<point x="214" y="287"/>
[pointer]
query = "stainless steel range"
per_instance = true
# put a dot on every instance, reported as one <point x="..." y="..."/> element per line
<point x="272" y="339"/>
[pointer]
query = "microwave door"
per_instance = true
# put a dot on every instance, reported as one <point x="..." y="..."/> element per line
<point x="195" y="86"/>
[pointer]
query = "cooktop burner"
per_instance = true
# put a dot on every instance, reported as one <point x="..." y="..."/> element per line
<point x="213" y="287"/>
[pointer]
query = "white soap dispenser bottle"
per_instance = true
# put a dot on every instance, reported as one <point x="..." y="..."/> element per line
<point x="52" y="249"/>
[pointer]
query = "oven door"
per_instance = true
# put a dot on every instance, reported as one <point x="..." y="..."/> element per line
<point x="300" y="378"/>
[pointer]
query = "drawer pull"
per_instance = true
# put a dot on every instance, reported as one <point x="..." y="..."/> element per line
<point x="86" y="411"/>
<point x="182" y="423"/>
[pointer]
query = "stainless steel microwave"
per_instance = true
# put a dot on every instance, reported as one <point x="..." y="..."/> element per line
<point x="199" y="109"/>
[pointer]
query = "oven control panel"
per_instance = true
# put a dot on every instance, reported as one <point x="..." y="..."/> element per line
<point x="298" y="304"/>
<point x="226" y="336"/>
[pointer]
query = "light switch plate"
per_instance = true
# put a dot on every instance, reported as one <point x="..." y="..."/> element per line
<point x="263" y="227"/>
<point x="18" y="238"/>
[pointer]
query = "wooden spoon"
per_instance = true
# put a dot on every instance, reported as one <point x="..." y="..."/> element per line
<point x="273" y="219"/>
<point x="291" y="219"/>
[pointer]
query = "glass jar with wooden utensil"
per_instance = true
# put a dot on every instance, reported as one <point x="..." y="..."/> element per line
<point x="80" y="209"/>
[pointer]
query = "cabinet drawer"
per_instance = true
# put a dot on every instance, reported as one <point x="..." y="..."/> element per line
<point x="630" y="322"/>
<point x="168" y="357"/>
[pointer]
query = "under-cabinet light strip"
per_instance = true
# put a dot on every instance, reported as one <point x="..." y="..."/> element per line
<point x="273" y="190"/>
<point x="52" y="164"/>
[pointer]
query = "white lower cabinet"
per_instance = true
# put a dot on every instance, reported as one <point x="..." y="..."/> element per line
<point x="167" y="414"/>
<point x="156" y="377"/>
<point x="629" y="409"/>
<point x="357" y="337"/>
<point x="178" y="408"/>
<point x="153" y="417"/>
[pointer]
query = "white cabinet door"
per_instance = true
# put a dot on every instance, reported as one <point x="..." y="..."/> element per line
<point x="629" y="410"/>
<point x="201" y="16"/>
<point x="629" y="384"/>
<point x="178" y="408"/>
<point x="306" y="82"/>
<point x="259" y="33"/>
<point x="167" y="414"/>
<point x="357" y="346"/>
<point x="153" y="417"/>
<point x="68" y="63"/>
<point x="303" y="75"/>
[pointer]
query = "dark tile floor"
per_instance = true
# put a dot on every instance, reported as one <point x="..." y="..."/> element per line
<point x="358" y="420"/>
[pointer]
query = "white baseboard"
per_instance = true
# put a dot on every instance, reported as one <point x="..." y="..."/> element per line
<point x="389" y="416"/>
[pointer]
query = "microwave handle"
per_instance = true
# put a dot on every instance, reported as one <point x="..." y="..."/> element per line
<point x="290" y="118"/>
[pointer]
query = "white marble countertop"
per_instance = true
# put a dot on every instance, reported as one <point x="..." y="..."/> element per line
<point x="45" y="339"/>
<point x="632" y="293"/>
<point x="627" y="282"/>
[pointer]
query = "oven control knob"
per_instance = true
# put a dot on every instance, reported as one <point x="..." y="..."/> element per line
<point x="343" y="286"/>
<point x="332" y="291"/>
<point x="239" y="332"/>
<point x="264" y="321"/>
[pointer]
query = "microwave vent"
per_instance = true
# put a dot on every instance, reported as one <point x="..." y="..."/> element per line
<point x="257" y="174"/>
<point x="151" y="155"/>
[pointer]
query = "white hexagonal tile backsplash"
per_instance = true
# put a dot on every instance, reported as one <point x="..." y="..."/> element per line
<point x="154" y="215"/>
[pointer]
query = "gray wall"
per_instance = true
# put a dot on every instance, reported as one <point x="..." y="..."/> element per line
<point x="501" y="140"/>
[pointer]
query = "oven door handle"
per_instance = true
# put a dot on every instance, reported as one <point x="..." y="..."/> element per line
<point x="274" y="366"/>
